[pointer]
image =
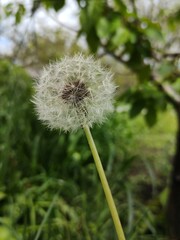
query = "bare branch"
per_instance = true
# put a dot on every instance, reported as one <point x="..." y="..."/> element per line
<point x="172" y="55"/>
<point x="170" y="93"/>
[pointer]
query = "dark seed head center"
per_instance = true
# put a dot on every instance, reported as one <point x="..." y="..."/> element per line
<point x="75" y="92"/>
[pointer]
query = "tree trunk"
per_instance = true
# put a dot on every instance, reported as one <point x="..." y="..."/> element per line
<point x="173" y="210"/>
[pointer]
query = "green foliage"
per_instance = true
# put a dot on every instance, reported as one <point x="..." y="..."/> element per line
<point x="148" y="99"/>
<point x="15" y="88"/>
<point x="50" y="175"/>
<point x="140" y="43"/>
<point x="16" y="10"/>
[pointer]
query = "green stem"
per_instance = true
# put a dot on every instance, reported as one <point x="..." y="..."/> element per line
<point x="105" y="184"/>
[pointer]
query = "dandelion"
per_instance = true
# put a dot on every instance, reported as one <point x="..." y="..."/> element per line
<point x="74" y="93"/>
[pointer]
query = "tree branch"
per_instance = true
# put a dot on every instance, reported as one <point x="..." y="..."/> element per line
<point x="170" y="93"/>
<point x="172" y="55"/>
<point x="172" y="96"/>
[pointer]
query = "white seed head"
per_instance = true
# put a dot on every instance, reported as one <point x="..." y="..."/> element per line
<point x="74" y="92"/>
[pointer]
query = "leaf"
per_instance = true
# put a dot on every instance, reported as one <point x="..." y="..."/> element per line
<point x="163" y="196"/>
<point x="20" y="13"/>
<point x="106" y="27"/>
<point x="122" y="36"/>
<point x="173" y="20"/>
<point x="92" y="39"/>
<point x="165" y="69"/>
<point x="8" y="9"/>
<point x="154" y="33"/>
<point x="103" y="28"/>
<point x="56" y="4"/>
<point x="95" y="9"/>
<point x="2" y="195"/>
<point x="136" y="108"/>
<point x="85" y="23"/>
<point x="151" y="116"/>
<point x="176" y="85"/>
<point x="144" y="73"/>
<point x="120" y="6"/>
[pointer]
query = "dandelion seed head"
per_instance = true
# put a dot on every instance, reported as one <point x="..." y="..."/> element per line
<point x="74" y="92"/>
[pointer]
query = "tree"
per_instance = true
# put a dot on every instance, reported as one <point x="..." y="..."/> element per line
<point x="145" y="45"/>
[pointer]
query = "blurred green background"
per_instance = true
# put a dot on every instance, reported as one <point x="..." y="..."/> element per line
<point x="49" y="187"/>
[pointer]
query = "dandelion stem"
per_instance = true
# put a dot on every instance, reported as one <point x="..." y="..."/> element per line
<point x="105" y="184"/>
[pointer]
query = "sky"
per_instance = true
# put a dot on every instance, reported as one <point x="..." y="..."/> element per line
<point x="66" y="18"/>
